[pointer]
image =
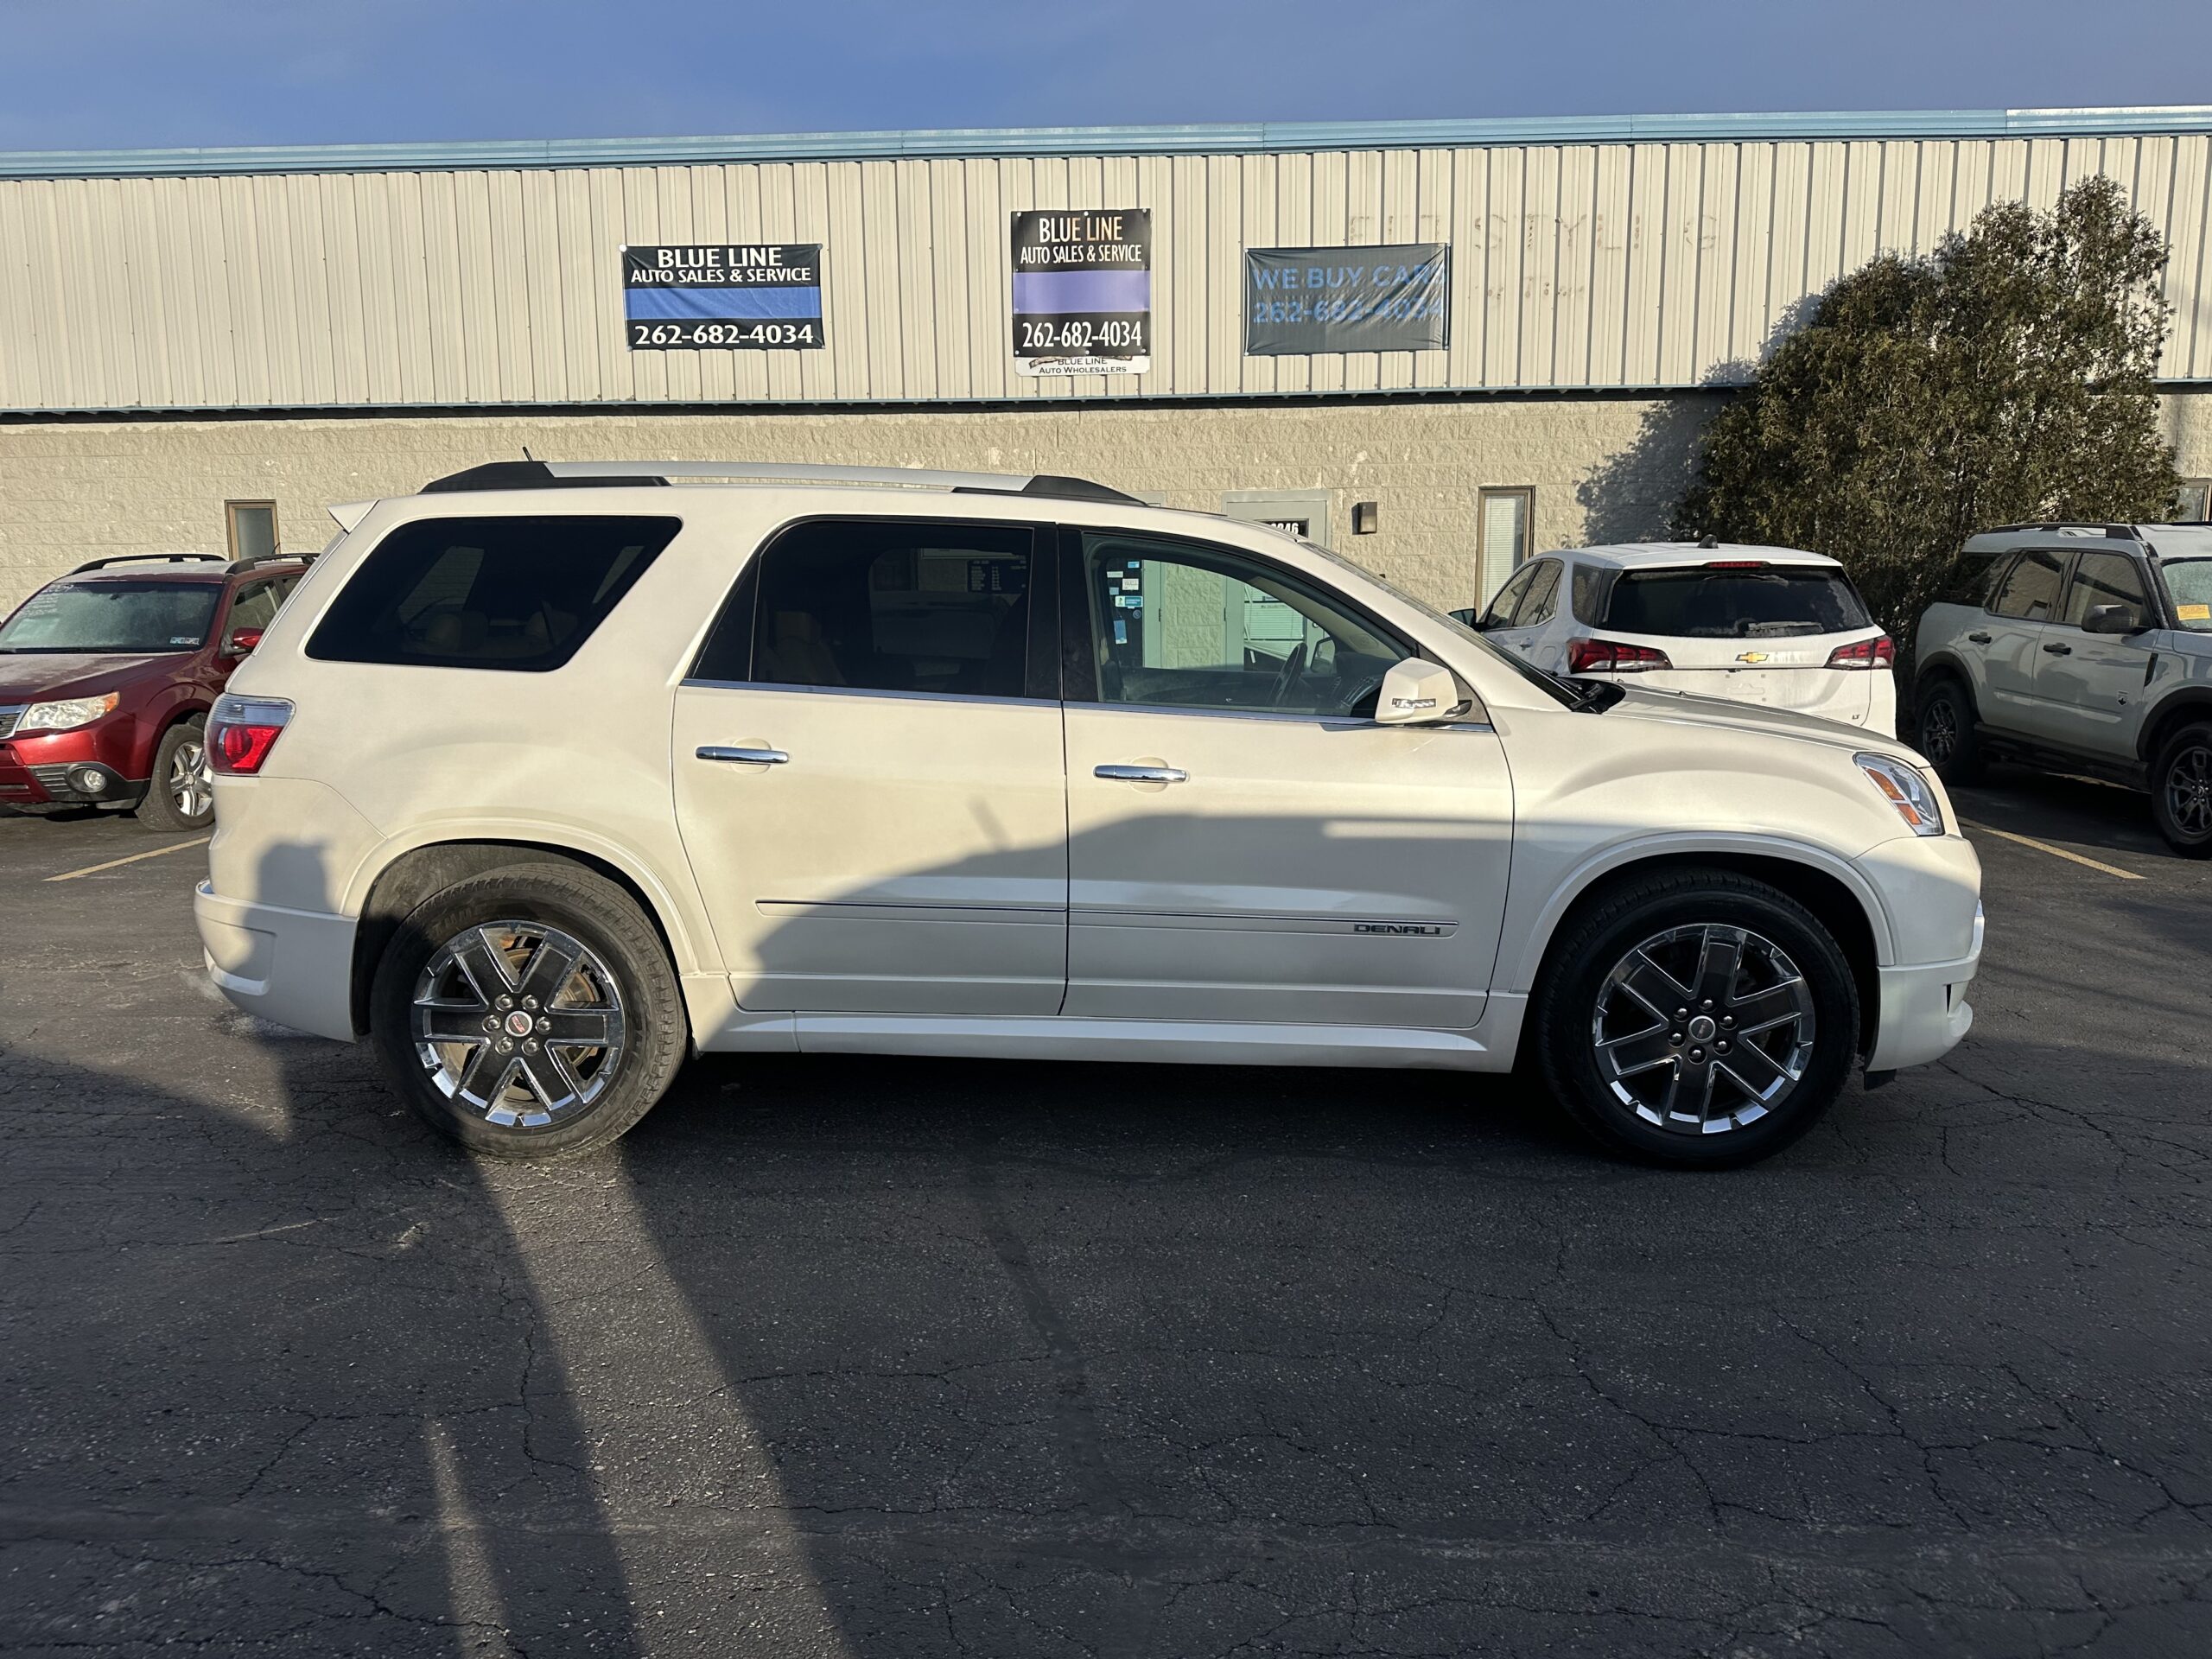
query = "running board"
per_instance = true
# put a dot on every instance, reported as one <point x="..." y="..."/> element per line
<point x="1188" y="1042"/>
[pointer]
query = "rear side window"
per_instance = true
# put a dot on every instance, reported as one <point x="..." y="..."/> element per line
<point x="935" y="606"/>
<point x="2029" y="592"/>
<point x="1704" y="602"/>
<point x="520" y="594"/>
<point x="1542" y="598"/>
<point x="1969" y="580"/>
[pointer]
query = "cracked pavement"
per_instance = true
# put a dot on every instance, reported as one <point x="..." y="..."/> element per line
<point x="837" y="1357"/>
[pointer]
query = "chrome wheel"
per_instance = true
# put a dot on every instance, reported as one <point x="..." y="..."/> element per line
<point x="1703" y="1029"/>
<point x="2189" y="790"/>
<point x="519" y="1023"/>
<point x="191" y="784"/>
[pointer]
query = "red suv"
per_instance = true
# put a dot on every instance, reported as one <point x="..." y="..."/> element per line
<point x="106" y="676"/>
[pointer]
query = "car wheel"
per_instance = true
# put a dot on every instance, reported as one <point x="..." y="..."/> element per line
<point x="529" y="1011"/>
<point x="181" y="795"/>
<point x="1946" y="734"/>
<point x="2181" y="791"/>
<point x="1699" y="1019"/>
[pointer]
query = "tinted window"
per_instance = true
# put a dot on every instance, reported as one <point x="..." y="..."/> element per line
<point x="118" y="616"/>
<point x="1179" y="626"/>
<point x="2106" y="579"/>
<point x="1706" y="603"/>
<point x="1589" y="597"/>
<point x="1967" y="582"/>
<point x="256" y="603"/>
<point x="939" y="607"/>
<point x="521" y="594"/>
<point x="2190" y="580"/>
<point x="1499" y="613"/>
<point x="2029" y="590"/>
<point x="1538" y="604"/>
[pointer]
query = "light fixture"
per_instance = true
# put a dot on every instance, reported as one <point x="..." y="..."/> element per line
<point x="1366" y="517"/>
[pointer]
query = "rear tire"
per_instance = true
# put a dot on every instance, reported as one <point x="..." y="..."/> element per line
<point x="2181" y="791"/>
<point x="181" y="795"/>
<point x="529" y="1012"/>
<point x="1759" y="1040"/>
<point x="1945" y="732"/>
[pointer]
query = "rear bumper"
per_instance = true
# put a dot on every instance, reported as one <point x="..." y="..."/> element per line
<point x="291" y="967"/>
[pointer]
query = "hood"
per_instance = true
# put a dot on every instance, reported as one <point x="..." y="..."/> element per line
<point x="50" y="676"/>
<point x="1651" y="703"/>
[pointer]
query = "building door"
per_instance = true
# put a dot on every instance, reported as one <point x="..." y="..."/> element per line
<point x="1503" y="524"/>
<point x="869" y="781"/>
<point x="1245" y="843"/>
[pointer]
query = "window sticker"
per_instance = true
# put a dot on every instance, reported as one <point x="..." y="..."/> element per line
<point x="184" y="639"/>
<point x="2194" y="613"/>
<point x="1121" y="632"/>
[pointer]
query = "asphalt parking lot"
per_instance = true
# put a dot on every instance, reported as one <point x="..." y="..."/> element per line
<point x="919" y="1358"/>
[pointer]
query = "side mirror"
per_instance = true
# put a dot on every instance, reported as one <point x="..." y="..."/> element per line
<point x="2111" y="618"/>
<point x="242" y="641"/>
<point x="1417" y="692"/>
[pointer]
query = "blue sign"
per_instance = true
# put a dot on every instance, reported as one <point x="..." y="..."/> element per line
<point x="1299" y="302"/>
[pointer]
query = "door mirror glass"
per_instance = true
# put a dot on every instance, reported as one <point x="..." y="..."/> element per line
<point x="2111" y="618"/>
<point x="243" y="641"/>
<point x="1417" y="692"/>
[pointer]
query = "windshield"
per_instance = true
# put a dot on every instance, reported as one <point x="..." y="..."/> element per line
<point x="1705" y="602"/>
<point x="1560" y="690"/>
<point x="2190" y="580"/>
<point x="116" y="616"/>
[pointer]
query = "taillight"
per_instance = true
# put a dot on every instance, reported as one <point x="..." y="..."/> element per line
<point x="1612" y="657"/>
<point x="242" y="730"/>
<point x="1878" y="652"/>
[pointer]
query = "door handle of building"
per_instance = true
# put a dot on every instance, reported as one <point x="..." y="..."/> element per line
<point x="2057" y="649"/>
<point x="756" y="757"/>
<point x="1141" y="774"/>
<point x="1979" y="638"/>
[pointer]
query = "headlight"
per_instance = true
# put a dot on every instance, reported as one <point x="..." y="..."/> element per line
<point x="61" y="716"/>
<point x="1907" y="790"/>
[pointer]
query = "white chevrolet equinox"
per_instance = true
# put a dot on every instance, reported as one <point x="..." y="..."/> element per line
<point x="551" y="775"/>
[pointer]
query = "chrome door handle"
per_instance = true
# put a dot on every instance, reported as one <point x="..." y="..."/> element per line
<point x="1141" y="774"/>
<point x="757" y="757"/>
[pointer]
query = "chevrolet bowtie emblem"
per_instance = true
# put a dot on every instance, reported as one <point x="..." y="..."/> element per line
<point x="1752" y="657"/>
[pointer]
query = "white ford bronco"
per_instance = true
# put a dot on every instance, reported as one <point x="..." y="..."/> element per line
<point x="550" y="776"/>
<point x="2079" y="648"/>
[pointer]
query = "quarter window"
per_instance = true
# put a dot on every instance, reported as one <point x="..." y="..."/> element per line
<point x="520" y="594"/>
<point x="2030" y="590"/>
<point x="1175" y="625"/>
<point x="2107" y="579"/>
<point x="933" y="606"/>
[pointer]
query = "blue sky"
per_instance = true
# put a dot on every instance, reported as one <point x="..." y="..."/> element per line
<point x="113" y="73"/>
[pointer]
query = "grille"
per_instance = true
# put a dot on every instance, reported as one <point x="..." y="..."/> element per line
<point x="54" y="780"/>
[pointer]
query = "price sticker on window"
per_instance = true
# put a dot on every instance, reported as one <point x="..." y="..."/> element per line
<point x="2194" y="613"/>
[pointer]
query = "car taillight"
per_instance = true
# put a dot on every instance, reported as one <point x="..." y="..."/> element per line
<point x="1879" y="652"/>
<point x="242" y="731"/>
<point x="1612" y="657"/>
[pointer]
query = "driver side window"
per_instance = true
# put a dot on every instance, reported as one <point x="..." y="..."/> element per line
<point x="1177" y="626"/>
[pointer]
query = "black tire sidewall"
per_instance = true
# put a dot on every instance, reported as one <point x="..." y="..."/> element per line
<point x="2188" y="737"/>
<point x="1964" y="765"/>
<point x="1565" y="1005"/>
<point x="156" y="811"/>
<point x="593" y="909"/>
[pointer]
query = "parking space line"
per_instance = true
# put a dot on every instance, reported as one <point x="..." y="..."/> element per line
<point x="117" y="863"/>
<point x="2056" y="852"/>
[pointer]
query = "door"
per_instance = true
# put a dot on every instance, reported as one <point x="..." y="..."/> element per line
<point x="2019" y="615"/>
<point x="868" y="773"/>
<point x="1245" y="844"/>
<point x="2089" y="690"/>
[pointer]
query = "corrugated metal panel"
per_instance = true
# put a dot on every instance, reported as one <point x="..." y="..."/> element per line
<point x="1573" y="265"/>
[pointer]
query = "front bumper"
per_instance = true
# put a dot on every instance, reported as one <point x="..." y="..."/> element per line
<point x="291" y="967"/>
<point x="35" y="771"/>
<point x="1924" y="1013"/>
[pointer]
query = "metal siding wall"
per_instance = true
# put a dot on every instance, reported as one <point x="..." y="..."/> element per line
<point x="1646" y="264"/>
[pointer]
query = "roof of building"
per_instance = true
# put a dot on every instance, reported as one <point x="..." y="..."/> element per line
<point x="1221" y="138"/>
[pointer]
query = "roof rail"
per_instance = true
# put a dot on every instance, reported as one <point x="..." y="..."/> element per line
<point x="143" y="558"/>
<point x="2110" y="532"/>
<point x="559" y="474"/>
<point x="255" y="560"/>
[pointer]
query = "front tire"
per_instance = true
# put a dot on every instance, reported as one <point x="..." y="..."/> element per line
<point x="181" y="794"/>
<point x="1946" y="733"/>
<point x="1699" y="1019"/>
<point x="2181" y="791"/>
<point x="529" y="1012"/>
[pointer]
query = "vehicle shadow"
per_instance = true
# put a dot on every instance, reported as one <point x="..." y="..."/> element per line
<point x="2078" y="811"/>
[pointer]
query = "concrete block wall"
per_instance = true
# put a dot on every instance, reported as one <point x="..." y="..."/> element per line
<point x="1603" y="468"/>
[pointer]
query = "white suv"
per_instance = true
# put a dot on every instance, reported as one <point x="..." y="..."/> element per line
<point x="543" y="786"/>
<point x="1767" y="625"/>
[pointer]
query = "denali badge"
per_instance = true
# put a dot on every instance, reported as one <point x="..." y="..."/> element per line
<point x="1417" y="930"/>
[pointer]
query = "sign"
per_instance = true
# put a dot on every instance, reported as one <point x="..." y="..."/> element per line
<point x="750" y="298"/>
<point x="1083" y="291"/>
<point x="1302" y="301"/>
